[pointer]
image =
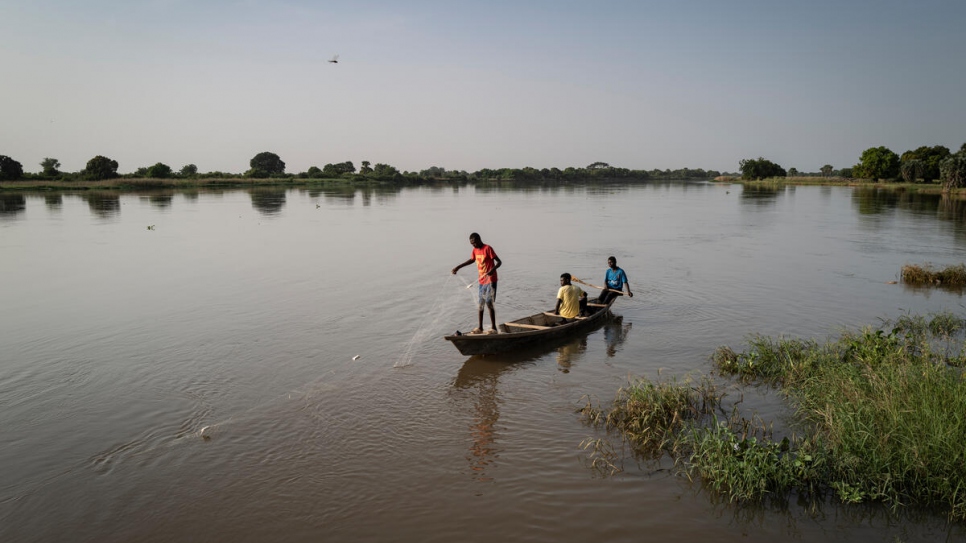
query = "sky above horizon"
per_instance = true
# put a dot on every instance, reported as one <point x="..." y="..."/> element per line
<point x="471" y="85"/>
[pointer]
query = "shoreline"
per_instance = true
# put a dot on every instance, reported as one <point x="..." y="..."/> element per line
<point x="137" y="184"/>
<point x="777" y="182"/>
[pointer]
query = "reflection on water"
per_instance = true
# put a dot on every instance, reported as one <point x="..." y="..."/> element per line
<point x="871" y="201"/>
<point x="951" y="209"/>
<point x="799" y="517"/>
<point x="927" y="291"/>
<point x="161" y="200"/>
<point x="103" y="204"/>
<point x="883" y="202"/>
<point x="346" y="194"/>
<point x="615" y="332"/>
<point x="760" y="195"/>
<point x="569" y="353"/>
<point x="480" y="377"/>
<point x="268" y="201"/>
<point x="271" y="200"/>
<point x="12" y="204"/>
<point x="874" y="201"/>
<point x="54" y="201"/>
<point x="478" y="381"/>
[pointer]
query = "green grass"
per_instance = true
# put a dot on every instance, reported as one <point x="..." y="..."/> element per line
<point x="879" y="416"/>
<point x="651" y="415"/>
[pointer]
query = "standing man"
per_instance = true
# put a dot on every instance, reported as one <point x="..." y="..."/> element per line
<point x="614" y="280"/>
<point x="571" y="300"/>
<point x="486" y="264"/>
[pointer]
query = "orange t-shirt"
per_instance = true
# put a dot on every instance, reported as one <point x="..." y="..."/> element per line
<point x="484" y="263"/>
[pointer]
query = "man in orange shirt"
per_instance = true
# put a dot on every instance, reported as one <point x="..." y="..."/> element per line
<point x="486" y="264"/>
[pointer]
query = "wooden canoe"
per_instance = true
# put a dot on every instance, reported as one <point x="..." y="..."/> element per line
<point x="530" y="331"/>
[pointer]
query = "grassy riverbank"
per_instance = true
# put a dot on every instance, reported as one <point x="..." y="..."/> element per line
<point x="776" y="182"/>
<point x="880" y="416"/>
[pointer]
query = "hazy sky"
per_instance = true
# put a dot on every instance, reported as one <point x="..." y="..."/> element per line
<point x="468" y="85"/>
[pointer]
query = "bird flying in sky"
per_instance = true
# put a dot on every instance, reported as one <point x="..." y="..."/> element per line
<point x="334" y="60"/>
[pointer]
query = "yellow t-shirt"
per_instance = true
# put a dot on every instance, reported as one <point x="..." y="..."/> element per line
<point x="570" y="295"/>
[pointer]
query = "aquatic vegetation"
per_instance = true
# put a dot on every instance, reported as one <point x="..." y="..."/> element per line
<point x="879" y="416"/>
<point x="650" y="414"/>
<point x="767" y="359"/>
<point x="927" y="275"/>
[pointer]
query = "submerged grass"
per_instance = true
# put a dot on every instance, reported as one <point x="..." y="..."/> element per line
<point x="651" y="415"/>
<point x="881" y="412"/>
<point x="927" y="275"/>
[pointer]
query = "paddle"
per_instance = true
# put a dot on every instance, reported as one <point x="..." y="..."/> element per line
<point x="594" y="286"/>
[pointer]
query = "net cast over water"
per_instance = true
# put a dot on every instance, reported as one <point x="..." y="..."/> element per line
<point x="441" y="314"/>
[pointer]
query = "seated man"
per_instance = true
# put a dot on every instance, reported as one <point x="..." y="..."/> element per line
<point x="571" y="300"/>
<point x="614" y="281"/>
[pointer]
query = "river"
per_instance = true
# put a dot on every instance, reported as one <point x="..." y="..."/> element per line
<point x="268" y="364"/>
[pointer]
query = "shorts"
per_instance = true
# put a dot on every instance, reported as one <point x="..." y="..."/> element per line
<point x="486" y="296"/>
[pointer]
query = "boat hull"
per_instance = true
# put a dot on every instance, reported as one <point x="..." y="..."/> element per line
<point x="529" y="332"/>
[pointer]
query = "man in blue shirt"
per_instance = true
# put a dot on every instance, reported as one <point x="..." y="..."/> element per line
<point x="614" y="280"/>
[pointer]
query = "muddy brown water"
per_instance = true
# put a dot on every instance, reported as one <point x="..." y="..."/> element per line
<point x="267" y="365"/>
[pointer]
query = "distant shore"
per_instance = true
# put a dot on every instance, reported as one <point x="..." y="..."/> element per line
<point x="921" y="188"/>
<point x="121" y="183"/>
<point x="136" y="184"/>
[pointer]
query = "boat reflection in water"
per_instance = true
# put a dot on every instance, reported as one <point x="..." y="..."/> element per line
<point x="476" y="387"/>
<point x="615" y="332"/>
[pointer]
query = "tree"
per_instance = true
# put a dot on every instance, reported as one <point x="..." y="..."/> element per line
<point x="50" y="166"/>
<point x="952" y="171"/>
<point x="877" y="163"/>
<point x="337" y="170"/>
<point x="826" y="170"/>
<point x="189" y="170"/>
<point x="911" y="170"/>
<point x="266" y="164"/>
<point x="384" y="170"/>
<point x="434" y="172"/>
<point x="930" y="158"/>
<point x="101" y="167"/>
<point x="366" y="169"/>
<point x="793" y="172"/>
<point x="760" y="169"/>
<point x="598" y="166"/>
<point x="314" y="173"/>
<point x="10" y="169"/>
<point x="846" y="173"/>
<point x="159" y="171"/>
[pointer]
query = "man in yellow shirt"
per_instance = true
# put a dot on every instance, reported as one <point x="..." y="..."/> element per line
<point x="571" y="300"/>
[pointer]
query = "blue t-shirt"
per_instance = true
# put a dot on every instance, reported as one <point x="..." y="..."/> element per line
<point x="615" y="279"/>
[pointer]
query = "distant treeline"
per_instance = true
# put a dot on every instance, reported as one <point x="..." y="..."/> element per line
<point x="267" y="165"/>
<point x="921" y="165"/>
